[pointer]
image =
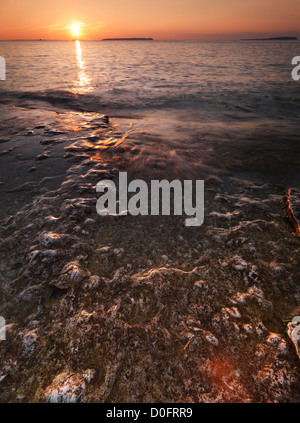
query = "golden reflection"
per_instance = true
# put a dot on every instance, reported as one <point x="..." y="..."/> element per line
<point x="83" y="84"/>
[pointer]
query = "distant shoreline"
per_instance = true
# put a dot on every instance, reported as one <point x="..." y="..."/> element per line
<point x="127" y="39"/>
<point x="271" y="39"/>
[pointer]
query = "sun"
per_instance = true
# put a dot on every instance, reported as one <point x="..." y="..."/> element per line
<point x="75" y="30"/>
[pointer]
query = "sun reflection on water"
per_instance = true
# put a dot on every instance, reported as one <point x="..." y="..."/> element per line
<point x="83" y="83"/>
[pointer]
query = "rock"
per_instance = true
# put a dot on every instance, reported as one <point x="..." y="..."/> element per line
<point x="63" y="283"/>
<point x="71" y="275"/>
<point x="120" y="325"/>
<point x="45" y="142"/>
<point x="65" y="388"/>
<point x="50" y="238"/>
<point x="43" y="156"/>
<point x="293" y="204"/>
<point x="29" y="342"/>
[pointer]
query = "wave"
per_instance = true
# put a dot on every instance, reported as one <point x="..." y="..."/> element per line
<point x="62" y="98"/>
<point x="225" y="105"/>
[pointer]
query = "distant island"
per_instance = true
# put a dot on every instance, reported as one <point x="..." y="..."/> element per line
<point x="127" y="39"/>
<point x="271" y="39"/>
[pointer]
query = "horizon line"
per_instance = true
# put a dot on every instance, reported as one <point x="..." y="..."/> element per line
<point x="133" y="39"/>
<point x="234" y="36"/>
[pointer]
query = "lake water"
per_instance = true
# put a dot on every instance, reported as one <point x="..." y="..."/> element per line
<point x="207" y="81"/>
<point x="182" y="95"/>
<point x="142" y="308"/>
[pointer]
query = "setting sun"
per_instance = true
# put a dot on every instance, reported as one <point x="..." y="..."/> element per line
<point x="75" y="30"/>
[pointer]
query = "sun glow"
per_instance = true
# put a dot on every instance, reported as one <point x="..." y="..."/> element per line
<point x="75" y="29"/>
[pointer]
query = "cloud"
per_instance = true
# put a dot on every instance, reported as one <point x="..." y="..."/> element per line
<point x="50" y="28"/>
<point x="90" y="26"/>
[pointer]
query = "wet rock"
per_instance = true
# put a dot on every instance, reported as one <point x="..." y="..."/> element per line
<point x="29" y="133"/>
<point x="103" y="250"/>
<point x="29" y="342"/>
<point x="65" y="388"/>
<point x="51" y="132"/>
<point x="4" y="152"/>
<point x="61" y="284"/>
<point x="71" y="275"/>
<point x="43" y="156"/>
<point x="119" y="325"/>
<point x="50" y="238"/>
<point x="46" y="142"/>
<point x="293" y="205"/>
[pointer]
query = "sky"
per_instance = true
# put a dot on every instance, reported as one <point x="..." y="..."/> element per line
<point x="159" y="19"/>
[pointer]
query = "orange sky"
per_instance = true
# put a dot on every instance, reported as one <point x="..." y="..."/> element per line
<point x="160" y="19"/>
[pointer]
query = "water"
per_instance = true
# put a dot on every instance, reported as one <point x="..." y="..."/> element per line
<point x="205" y="81"/>
<point x="144" y="308"/>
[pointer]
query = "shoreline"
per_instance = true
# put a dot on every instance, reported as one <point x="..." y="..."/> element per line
<point x="92" y="302"/>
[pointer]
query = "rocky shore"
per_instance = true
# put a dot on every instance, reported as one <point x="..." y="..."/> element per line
<point x="141" y="309"/>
